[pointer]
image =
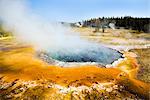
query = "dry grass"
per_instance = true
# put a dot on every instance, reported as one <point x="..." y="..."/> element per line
<point x="115" y="37"/>
<point x="144" y="62"/>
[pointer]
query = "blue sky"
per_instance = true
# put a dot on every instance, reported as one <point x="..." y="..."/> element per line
<point x="77" y="10"/>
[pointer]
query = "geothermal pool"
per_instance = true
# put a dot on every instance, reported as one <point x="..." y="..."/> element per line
<point x="98" y="54"/>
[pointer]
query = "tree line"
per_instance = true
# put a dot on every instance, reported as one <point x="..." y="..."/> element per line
<point x="127" y="22"/>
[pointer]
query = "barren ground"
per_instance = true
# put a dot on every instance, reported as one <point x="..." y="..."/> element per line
<point x="24" y="76"/>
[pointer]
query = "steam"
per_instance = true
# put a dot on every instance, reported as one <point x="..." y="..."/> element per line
<point x="58" y="40"/>
<point x="18" y="18"/>
<point x="112" y="26"/>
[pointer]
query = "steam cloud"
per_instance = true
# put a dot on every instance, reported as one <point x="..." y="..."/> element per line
<point x="18" y="18"/>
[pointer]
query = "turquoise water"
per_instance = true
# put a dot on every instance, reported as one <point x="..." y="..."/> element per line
<point x="102" y="55"/>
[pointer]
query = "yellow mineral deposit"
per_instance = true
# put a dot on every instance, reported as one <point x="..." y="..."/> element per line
<point x="21" y="63"/>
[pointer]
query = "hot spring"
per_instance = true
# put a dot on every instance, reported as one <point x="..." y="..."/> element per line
<point x="58" y="41"/>
<point x="92" y="54"/>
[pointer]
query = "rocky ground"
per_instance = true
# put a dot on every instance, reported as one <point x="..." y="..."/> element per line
<point x="45" y="90"/>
